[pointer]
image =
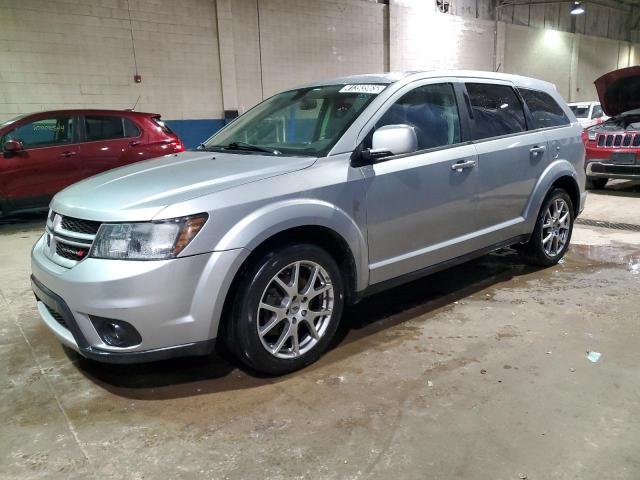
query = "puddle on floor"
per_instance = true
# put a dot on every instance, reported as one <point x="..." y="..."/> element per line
<point x="618" y="254"/>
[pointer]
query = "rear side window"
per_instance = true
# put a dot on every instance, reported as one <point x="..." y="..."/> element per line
<point x="130" y="128"/>
<point x="496" y="110"/>
<point x="431" y="110"/>
<point x="44" y="132"/>
<point x="580" y="111"/>
<point x="103" y="128"/>
<point x="544" y="109"/>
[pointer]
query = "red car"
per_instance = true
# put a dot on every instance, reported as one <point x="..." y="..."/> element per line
<point x="612" y="147"/>
<point x="45" y="152"/>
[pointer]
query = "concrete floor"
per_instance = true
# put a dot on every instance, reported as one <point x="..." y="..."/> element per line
<point x="479" y="372"/>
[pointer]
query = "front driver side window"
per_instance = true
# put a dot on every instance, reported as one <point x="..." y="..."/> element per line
<point x="44" y="132"/>
<point x="431" y="110"/>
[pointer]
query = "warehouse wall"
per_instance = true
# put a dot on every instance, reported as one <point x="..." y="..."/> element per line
<point x="571" y="61"/>
<point x="422" y="38"/>
<point x="200" y="58"/>
<point x="67" y="54"/>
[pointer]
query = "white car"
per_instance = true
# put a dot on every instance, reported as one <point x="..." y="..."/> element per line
<point x="588" y="113"/>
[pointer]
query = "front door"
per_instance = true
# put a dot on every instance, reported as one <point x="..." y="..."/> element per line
<point x="420" y="207"/>
<point x="47" y="163"/>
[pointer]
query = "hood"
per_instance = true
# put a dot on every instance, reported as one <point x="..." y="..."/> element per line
<point x="141" y="190"/>
<point x="619" y="91"/>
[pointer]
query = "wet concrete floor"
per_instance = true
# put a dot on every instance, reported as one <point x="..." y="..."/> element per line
<point x="478" y="372"/>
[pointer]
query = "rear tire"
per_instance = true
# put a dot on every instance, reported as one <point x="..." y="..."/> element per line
<point x="552" y="233"/>
<point x="280" y="324"/>
<point x="596" y="183"/>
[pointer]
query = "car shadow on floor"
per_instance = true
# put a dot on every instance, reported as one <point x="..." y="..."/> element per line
<point x="186" y="377"/>
<point x="620" y="188"/>
<point x="25" y="221"/>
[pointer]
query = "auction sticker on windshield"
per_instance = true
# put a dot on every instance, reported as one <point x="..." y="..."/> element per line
<point x="375" y="89"/>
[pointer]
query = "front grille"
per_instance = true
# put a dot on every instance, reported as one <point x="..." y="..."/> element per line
<point x="618" y="140"/>
<point x="80" y="226"/>
<point x="69" y="239"/>
<point x="59" y="318"/>
<point x="71" y="252"/>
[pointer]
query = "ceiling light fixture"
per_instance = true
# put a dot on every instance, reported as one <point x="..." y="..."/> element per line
<point x="577" y="8"/>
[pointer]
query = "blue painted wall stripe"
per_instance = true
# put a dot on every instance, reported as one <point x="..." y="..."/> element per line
<point x="194" y="132"/>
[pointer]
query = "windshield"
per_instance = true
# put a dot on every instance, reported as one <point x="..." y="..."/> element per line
<point x="307" y="121"/>
<point x="580" y="111"/>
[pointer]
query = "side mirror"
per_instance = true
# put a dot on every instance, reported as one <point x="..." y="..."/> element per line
<point x="12" y="145"/>
<point x="391" y="140"/>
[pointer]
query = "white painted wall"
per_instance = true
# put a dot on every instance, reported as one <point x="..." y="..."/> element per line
<point x="422" y="38"/>
<point x="303" y="40"/>
<point x="571" y="61"/>
<point x="63" y="54"/>
<point x="78" y="54"/>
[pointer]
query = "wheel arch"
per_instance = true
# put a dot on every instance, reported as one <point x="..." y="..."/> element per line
<point x="560" y="174"/>
<point x="303" y="220"/>
<point x="570" y="185"/>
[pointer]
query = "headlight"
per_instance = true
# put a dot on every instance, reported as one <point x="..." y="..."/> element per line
<point x="592" y="134"/>
<point x="146" y="240"/>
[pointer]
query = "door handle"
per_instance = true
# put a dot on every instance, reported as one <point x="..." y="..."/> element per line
<point x="134" y="143"/>
<point x="67" y="154"/>
<point x="535" y="151"/>
<point x="462" y="164"/>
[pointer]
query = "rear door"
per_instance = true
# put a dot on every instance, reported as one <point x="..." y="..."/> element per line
<point x="548" y="118"/>
<point x="110" y="141"/>
<point x="510" y="157"/>
<point x="48" y="162"/>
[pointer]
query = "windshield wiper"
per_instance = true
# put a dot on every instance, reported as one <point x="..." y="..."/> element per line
<point x="249" y="147"/>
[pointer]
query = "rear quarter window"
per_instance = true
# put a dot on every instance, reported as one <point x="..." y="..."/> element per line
<point x="162" y="125"/>
<point x="496" y="110"/>
<point x="545" y="111"/>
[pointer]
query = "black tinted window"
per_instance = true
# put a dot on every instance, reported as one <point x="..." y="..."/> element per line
<point x="130" y="128"/>
<point x="544" y="109"/>
<point x="432" y="111"/>
<point x="103" y="128"/>
<point x="43" y="132"/>
<point x="496" y="110"/>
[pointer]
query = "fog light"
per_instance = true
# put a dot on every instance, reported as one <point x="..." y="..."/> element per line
<point x="116" y="333"/>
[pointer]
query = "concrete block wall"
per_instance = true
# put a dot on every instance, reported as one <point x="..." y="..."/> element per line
<point x="422" y="38"/>
<point x="303" y="41"/>
<point x="571" y="61"/>
<point x="199" y="58"/>
<point x="79" y="54"/>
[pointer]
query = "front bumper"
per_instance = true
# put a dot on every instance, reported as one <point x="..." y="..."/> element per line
<point x="175" y="305"/>
<point x="600" y="169"/>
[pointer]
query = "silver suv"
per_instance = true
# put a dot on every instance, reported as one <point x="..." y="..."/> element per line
<point x="312" y="200"/>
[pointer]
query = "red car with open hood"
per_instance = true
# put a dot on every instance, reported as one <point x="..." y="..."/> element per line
<point x="612" y="147"/>
<point x="45" y="152"/>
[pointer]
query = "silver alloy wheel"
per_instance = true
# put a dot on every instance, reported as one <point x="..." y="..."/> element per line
<point x="295" y="309"/>
<point x="555" y="227"/>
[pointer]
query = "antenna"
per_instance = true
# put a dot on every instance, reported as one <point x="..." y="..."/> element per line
<point x="498" y="68"/>
<point x="135" y="104"/>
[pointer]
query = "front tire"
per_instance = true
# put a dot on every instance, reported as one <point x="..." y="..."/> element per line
<point x="552" y="234"/>
<point x="596" y="183"/>
<point x="287" y="309"/>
